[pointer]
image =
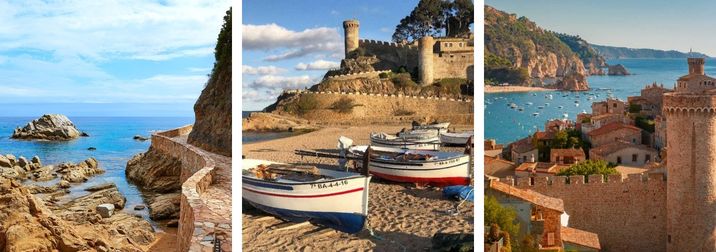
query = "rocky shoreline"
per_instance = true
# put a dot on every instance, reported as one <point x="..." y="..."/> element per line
<point x="42" y="218"/>
<point x="50" y="127"/>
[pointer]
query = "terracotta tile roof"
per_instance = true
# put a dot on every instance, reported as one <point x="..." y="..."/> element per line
<point x="545" y="135"/>
<point x="609" y="128"/>
<point x="603" y="116"/>
<point x="580" y="237"/>
<point x="612" y="147"/>
<point x="541" y="167"/>
<point x="528" y="195"/>
<point x="568" y="152"/>
<point x="490" y="160"/>
<point x="523" y="145"/>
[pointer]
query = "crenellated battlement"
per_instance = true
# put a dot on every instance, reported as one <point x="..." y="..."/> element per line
<point x="579" y="180"/>
<point x="357" y="75"/>
<point x="400" y="96"/>
<point x="363" y="42"/>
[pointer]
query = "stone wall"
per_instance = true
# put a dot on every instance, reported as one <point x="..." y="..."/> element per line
<point x="453" y="65"/>
<point x="380" y="108"/>
<point x="627" y="214"/>
<point x="197" y="174"/>
<point x="390" y="54"/>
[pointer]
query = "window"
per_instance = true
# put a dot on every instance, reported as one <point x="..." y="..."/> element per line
<point x="614" y="105"/>
<point x="619" y="160"/>
<point x="634" y="157"/>
<point x="647" y="158"/>
<point x="633" y="140"/>
<point x="550" y="239"/>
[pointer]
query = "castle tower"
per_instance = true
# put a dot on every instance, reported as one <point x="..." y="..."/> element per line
<point x="350" y="31"/>
<point x="691" y="169"/>
<point x="425" y="59"/>
<point x="696" y="66"/>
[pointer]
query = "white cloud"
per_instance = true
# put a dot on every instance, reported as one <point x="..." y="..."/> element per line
<point x="318" y="65"/>
<point x="262" y="70"/>
<point x="293" y="43"/>
<point x="386" y="29"/>
<point x="99" y="30"/>
<point x="335" y="12"/>
<point x="282" y="82"/>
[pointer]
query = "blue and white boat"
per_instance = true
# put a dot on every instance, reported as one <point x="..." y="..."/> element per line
<point x="335" y="199"/>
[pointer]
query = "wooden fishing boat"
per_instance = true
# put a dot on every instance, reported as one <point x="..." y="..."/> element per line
<point x="330" y="198"/>
<point x="420" y="133"/>
<point x="405" y="142"/>
<point x="417" y="166"/>
<point x="444" y="126"/>
<point x="456" y="138"/>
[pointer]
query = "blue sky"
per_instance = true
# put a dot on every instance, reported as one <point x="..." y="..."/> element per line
<point x="287" y="45"/>
<point x="658" y="24"/>
<point x="151" y="57"/>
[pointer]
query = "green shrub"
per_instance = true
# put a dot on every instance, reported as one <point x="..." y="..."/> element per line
<point x="344" y="105"/>
<point x="383" y="75"/>
<point x="589" y="167"/>
<point x="644" y="123"/>
<point x="403" y="80"/>
<point x="504" y="217"/>
<point x="634" y="108"/>
<point x="303" y="104"/>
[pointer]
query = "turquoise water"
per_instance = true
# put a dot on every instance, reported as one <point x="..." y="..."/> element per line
<point x="506" y="125"/>
<point x="112" y="136"/>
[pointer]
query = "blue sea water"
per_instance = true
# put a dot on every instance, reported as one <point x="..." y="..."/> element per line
<point x="506" y="125"/>
<point x="112" y="136"/>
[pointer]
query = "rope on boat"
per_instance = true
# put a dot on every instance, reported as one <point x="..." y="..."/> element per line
<point x="456" y="211"/>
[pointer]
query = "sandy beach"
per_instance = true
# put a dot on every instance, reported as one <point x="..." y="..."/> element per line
<point x="514" y="89"/>
<point x="401" y="215"/>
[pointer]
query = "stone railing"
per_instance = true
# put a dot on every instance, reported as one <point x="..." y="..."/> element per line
<point x="301" y="91"/>
<point x="196" y="176"/>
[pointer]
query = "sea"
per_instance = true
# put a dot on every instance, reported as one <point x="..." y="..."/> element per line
<point x="253" y="137"/>
<point x="111" y="136"/>
<point x="506" y="125"/>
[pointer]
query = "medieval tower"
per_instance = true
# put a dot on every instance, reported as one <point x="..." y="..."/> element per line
<point x="350" y="30"/>
<point x="425" y="59"/>
<point x="691" y="161"/>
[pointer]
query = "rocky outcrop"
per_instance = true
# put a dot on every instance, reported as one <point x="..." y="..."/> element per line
<point x="79" y="172"/>
<point x="165" y="206"/>
<point x="27" y="224"/>
<point x="259" y="121"/>
<point x="359" y="64"/>
<point x="54" y="127"/>
<point x="154" y="172"/>
<point x="617" y="69"/>
<point x="212" y="128"/>
<point x="527" y="46"/>
<point x="21" y="169"/>
<point x="573" y="82"/>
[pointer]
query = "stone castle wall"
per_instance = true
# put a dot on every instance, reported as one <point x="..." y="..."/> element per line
<point x="391" y="55"/>
<point x="381" y="108"/>
<point x="351" y="76"/>
<point x="691" y="145"/>
<point x="453" y="65"/>
<point x="197" y="174"/>
<point x="627" y="214"/>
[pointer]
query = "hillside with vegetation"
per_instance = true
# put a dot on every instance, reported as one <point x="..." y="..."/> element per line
<point x="613" y="52"/>
<point x="515" y="47"/>
<point x="592" y="60"/>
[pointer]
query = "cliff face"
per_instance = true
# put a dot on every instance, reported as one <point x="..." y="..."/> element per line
<point x="212" y="128"/>
<point x="527" y="46"/>
<point x="593" y="62"/>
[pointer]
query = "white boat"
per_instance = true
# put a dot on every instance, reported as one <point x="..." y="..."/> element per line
<point x="456" y="138"/>
<point x="444" y="125"/>
<point x="417" y="166"/>
<point x="535" y="114"/>
<point x="421" y="133"/>
<point x="565" y="115"/>
<point x="337" y="200"/>
<point x="413" y="143"/>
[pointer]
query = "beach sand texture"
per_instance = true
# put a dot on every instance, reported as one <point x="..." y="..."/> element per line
<point x="400" y="214"/>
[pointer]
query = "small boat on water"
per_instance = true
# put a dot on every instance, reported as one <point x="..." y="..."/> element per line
<point x="535" y="114"/>
<point x="528" y="103"/>
<point x="413" y="142"/>
<point x="330" y="198"/>
<point x="417" y="166"/>
<point x="565" y="115"/>
<point x="540" y="107"/>
<point x="513" y="106"/>
<point x="521" y="109"/>
<point x="456" y="138"/>
<point x="560" y="107"/>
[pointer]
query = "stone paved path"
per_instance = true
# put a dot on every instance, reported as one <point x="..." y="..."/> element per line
<point x="215" y="217"/>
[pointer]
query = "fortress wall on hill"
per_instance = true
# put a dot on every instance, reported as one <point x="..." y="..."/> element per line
<point x="628" y="215"/>
<point x="391" y="55"/>
<point x="455" y="65"/>
<point x="376" y="108"/>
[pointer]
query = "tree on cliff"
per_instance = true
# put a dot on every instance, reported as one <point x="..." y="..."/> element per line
<point x="436" y="17"/>
<point x="212" y="126"/>
<point x="504" y="217"/>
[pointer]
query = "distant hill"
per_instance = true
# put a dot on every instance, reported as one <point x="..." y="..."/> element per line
<point x="613" y="52"/>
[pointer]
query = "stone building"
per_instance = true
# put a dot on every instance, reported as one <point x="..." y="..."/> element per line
<point x="613" y="132"/>
<point x="690" y="113"/>
<point x="650" y="101"/>
<point x="434" y="58"/>
<point x="567" y="156"/>
<point x="624" y="153"/>
<point x="543" y="218"/>
<point x="523" y="151"/>
<point x="610" y="106"/>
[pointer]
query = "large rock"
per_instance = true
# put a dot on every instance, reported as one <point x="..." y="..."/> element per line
<point x="53" y="127"/>
<point x="154" y="171"/>
<point x="27" y="224"/>
<point x="79" y="172"/>
<point x="617" y="69"/>
<point x="105" y="210"/>
<point x="212" y="128"/>
<point x="166" y="206"/>
<point x="5" y="162"/>
<point x="573" y="82"/>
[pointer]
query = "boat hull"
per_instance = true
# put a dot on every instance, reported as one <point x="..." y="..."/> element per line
<point x="454" y="139"/>
<point x="432" y="143"/>
<point x="454" y="171"/>
<point x="338" y="203"/>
